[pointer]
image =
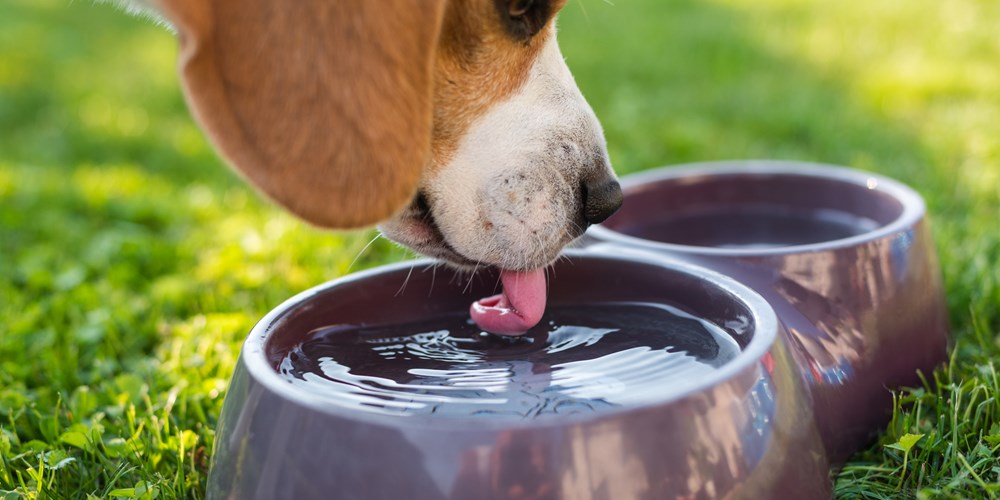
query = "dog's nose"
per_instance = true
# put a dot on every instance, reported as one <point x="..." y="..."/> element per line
<point x="601" y="198"/>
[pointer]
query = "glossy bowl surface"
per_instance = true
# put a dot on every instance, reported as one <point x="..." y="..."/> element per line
<point x="864" y="303"/>
<point x="825" y="276"/>
<point x="746" y="430"/>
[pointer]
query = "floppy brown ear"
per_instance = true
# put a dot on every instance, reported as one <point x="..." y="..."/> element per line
<point x="324" y="105"/>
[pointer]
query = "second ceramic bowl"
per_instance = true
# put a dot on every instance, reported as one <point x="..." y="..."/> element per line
<point x="845" y="257"/>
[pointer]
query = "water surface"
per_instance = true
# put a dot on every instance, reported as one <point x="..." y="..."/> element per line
<point x="753" y="226"/>
<point x="578" y="359"/>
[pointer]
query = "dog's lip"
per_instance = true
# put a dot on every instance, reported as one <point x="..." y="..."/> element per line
<point x="444" y="250"/>
<point x="418" y="229"/>
<point x="450" y="254"/>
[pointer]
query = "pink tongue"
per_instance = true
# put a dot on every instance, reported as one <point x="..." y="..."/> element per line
<point x="517" y="309"/>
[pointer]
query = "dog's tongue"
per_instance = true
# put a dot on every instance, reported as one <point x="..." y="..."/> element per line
<point x="517" y="309"/>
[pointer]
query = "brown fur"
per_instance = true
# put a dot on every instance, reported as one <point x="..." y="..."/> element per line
<point x="335" y="108"/>
<point x="478" y="65"/>
<point x="325" y="106"/>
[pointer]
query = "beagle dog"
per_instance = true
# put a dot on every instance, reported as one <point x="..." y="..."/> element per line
<point x="455" y="126"/>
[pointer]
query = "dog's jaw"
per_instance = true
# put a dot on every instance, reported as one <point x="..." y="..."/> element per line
<point x="510" y="195"/>
<point x="415" y="228"/>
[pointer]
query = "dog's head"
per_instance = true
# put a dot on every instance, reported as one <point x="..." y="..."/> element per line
<point x="453" y="124"/>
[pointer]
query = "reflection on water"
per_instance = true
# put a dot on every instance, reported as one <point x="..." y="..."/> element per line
<point x="579" y="359"/>
<point x="752" y="226"/>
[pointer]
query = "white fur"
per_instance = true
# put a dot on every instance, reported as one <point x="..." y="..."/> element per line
<point x="510" y="196"/>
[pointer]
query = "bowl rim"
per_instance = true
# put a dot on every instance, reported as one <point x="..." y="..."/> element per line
<point x="913" y="206"/>
<point x="766" y="334"/>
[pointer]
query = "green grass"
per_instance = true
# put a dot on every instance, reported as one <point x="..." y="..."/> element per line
<point x="132" y="263"/>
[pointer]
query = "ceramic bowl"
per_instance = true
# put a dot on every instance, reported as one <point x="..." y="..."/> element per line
<point x="844" y="257"/>
<point x="745" y="430"/>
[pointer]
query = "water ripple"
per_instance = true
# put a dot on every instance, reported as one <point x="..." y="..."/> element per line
<point x="579" y="359"/>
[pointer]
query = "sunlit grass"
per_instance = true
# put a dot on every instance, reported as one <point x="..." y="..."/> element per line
<point x="132" y="262"/>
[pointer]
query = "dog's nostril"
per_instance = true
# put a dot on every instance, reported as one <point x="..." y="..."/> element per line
<point x="420" y="202"/>
<point x="601" y="199"/>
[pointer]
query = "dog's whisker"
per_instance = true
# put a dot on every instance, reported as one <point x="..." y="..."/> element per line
<point x="405" y="281"/>
<point x="458" y="277"/>
<point x="468" y="285"/>
<point x="433" y="266"/>
<point x="541" y="248"/>
<point x="496" y="286"/>
<point x="360" y="253"/>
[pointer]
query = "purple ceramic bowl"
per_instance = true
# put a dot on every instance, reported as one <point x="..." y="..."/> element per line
<point x="844" y="257"/>
<point x="745" y="430"/>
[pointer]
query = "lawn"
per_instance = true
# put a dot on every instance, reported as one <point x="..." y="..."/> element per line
<point x="132" y="262"/>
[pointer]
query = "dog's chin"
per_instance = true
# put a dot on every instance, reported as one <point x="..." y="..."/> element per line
<point x="416" y="229"/>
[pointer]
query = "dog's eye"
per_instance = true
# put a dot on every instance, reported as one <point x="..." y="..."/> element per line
<point x="524" y="18"/>
<point x="518" y="8"/>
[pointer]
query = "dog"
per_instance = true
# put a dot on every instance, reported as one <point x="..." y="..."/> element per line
<point x="454" y="126"/>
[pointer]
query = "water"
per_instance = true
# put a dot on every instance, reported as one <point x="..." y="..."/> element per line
<point x="750" y="227"/>
<point x="578" y="359"/>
